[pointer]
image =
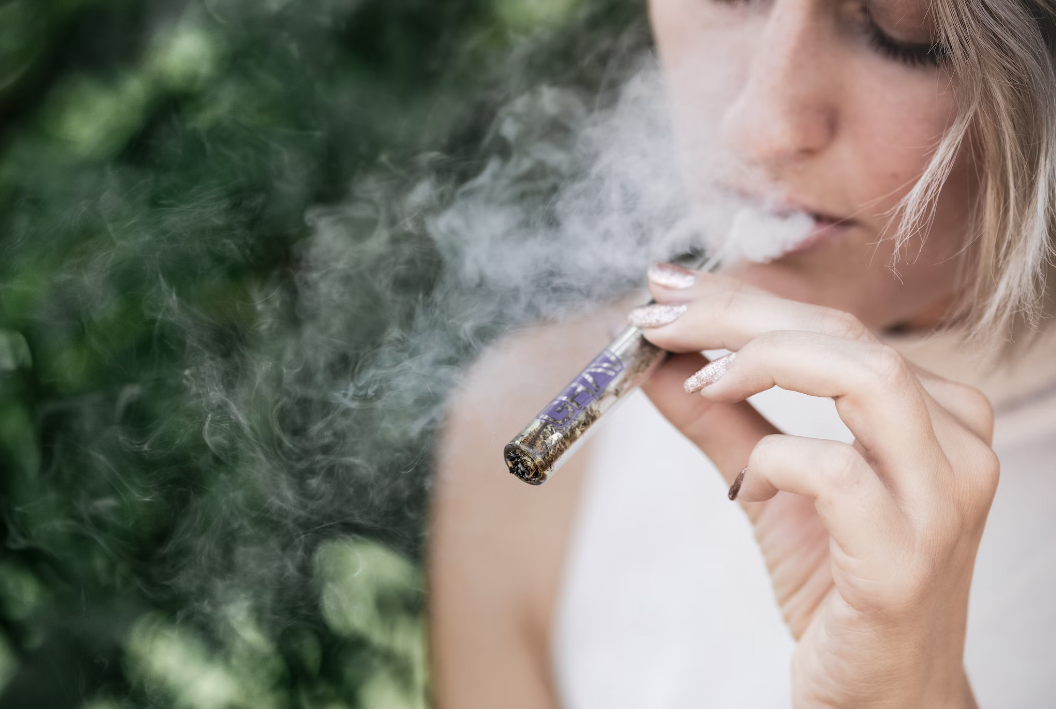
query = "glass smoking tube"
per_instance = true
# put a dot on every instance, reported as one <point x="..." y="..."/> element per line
<point x="566" y="423"/>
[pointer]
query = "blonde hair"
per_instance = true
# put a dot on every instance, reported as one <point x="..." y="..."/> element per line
<point x="1000" y="53"/>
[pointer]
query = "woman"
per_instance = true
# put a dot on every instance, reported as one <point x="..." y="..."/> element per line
<point x="918" y="139"/>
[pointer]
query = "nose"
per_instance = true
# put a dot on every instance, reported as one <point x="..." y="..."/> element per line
<point x="786" y="110"/>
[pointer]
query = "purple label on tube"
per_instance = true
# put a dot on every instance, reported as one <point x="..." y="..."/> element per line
<point x="584" y="389"/>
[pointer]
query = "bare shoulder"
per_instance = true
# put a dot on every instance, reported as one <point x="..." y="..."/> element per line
<point x="497" y="545"/>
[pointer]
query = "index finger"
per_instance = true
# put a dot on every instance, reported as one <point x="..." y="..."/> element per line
<point x="724" y="313"/>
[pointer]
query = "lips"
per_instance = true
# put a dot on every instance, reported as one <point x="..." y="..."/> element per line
<point x="768" y="227"/>
<point x="761" y="236"/>
<point x="825" y="230"/>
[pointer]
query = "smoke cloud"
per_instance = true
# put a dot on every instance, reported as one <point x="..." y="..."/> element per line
<point x="294" y="450"/>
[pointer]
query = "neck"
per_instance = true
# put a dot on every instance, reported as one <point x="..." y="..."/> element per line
<point x="927" y="319"/>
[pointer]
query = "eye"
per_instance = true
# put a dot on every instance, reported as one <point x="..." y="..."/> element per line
<point x="916" y="54"/>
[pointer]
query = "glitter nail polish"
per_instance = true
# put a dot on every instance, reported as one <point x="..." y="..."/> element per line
<point x="709" y="374"/>
<point x="655" y="315"/>
<point x="671" y="276"/>
<point x="736" y="487"/>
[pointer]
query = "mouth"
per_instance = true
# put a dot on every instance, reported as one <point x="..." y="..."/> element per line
<point x="825" y="229"/>
<point x="764" y="230"/>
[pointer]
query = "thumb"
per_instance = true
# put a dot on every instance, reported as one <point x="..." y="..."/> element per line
<point x="726" y="433"/>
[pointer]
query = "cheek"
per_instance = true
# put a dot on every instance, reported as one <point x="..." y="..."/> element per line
<point x="895" y="123"/>
<point x="700" y="59"/>
<point x="892" y="120"/>
<point x="704" y="50"/>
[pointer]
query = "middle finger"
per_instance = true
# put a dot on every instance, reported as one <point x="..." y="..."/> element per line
<point x="718" y="312"/>
<point x="876" y="394"/>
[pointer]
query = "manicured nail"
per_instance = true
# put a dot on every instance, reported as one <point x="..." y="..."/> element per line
<point x="709" y="374"/>
<point x="671" y="276"/>
<point x="655" y="315"/>
<point x="736" y="487"/>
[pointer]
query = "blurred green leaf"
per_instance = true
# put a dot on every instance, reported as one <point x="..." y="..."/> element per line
<point x="534" y="14"/>
<point x="196" y="513"/>
<point x="14" y="351"/>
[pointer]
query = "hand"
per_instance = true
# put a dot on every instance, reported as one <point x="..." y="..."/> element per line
<point x="871" y="554"/>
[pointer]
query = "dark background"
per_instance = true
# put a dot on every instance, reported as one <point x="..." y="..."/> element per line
<point x="189" y="519"/>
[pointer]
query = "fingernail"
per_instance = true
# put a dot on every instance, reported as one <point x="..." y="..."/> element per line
<point x="671" y="276"/>
<point x="736" y="487"/>
<point x="709" y="374"/>
<point x="655" y="315"/>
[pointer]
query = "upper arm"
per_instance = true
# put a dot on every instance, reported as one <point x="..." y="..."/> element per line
<point x="497" y="545"/>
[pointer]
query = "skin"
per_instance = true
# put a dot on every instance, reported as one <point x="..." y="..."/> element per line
<point x="871" y="547"/>
<point x="802" y="105"/>
<point x="871" y="555"/>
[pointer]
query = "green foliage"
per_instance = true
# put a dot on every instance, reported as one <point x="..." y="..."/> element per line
<point x="183" y="524"/>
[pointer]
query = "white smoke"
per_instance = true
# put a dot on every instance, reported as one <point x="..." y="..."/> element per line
<point x="571" y="210"/>
<point x="574" y="204"/>
<point x="762" y="236"/>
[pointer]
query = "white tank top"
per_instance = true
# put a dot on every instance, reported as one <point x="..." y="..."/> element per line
<point x="666" y="602"/>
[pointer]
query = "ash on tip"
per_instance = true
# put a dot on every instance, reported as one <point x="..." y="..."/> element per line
<point x="649" y="316"/>
<point x="671" y="276"/>
<point x="709" y="374"/>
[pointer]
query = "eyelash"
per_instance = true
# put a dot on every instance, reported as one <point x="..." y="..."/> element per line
<point x="915" y="55"/>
